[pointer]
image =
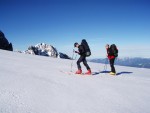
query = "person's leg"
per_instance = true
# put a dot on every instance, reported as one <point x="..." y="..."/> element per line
<point x="112" y="65"/>
<point x="78" y="62"/>
<point x="87" y="66"/>
<point x="79" y="66"/>
<point x="85" y="63"/>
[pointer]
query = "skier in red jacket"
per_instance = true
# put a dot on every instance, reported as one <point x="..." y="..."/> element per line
<point x="111" y="58"/>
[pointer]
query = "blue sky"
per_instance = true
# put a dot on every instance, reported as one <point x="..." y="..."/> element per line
<point x="63" y="22"/>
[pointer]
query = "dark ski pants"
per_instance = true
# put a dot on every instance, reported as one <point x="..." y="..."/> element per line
<point x="82" y="59"/>
<point x="112" y="65"/>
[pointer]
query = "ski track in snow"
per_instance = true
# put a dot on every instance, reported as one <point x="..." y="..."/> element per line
<point x="34" y="84"/>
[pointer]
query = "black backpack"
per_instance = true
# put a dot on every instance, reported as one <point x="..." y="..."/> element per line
<point x="114" y="50"/>
<point x="86" y="48"/>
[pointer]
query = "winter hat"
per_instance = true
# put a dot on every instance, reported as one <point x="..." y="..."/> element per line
<point x="75" y="44"/>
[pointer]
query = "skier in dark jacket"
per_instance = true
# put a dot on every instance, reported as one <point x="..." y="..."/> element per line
<point x="111" y="58"/>
<point x="81" y="52"/>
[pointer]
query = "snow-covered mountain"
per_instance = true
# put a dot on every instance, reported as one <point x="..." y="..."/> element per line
<point x="43" y="49"/>
<point x="36" y="84"/>
<point x="64" y="56"/>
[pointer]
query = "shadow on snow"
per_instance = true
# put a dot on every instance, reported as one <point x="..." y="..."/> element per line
<point x="120" y="73"/>
<point x="124" y="72"/>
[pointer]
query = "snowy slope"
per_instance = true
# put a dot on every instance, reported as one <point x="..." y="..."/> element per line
<point x="34" y="84"/>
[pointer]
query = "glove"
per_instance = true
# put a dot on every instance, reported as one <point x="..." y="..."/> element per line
<point x="76" y="52"/>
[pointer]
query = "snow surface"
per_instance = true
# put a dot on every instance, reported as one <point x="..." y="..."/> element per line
<point x="35" y="84"/>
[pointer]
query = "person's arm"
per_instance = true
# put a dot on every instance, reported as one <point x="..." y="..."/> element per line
<point x="107" y="52"/>
<point x="77" y="52"/>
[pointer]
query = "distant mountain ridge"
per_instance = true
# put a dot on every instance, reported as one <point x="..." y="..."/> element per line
<point x="132" y="62"/>
<point x="43" y="49"/>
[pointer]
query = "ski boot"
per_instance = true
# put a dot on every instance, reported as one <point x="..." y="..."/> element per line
<point x="112" y="73"/>
<point x="88" y="72"/>
<point x="79" y="71"/>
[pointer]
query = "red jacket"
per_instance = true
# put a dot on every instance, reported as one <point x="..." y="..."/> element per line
<point x="109" y="54"/>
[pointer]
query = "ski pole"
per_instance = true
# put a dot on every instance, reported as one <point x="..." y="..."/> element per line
<point x="75" y="56"/>
<point x="72" y="60"/>
<point x="105" y="66"/>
